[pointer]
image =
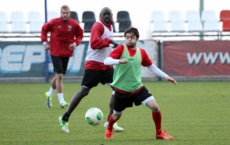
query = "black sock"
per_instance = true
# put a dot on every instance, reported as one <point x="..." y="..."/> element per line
<point x="66" y="117"/>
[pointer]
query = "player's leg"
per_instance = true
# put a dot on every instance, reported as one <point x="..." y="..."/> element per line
<point x="59" y="88"/>
<point x="90" y="80"/>
<point x="116" y="127"/>
<point x="59" y="66"/>
<point x="146" y="98"/>
<point x="49" y="94"/>
<point x="156" y="113"/>
<point x="112" y="120"/>
<point x="121" y="101"/>
<point x="59" y="81"/>
<point x="107" y="77"/>
<point x="157" y="118"/>
<point x="76" y="99"/>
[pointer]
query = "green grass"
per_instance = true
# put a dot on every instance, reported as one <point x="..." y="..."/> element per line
<point x="194" y="113"/>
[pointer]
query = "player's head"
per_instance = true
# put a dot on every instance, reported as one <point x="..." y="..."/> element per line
<point x="65" y="12"/>
<point x="106" y="15"/>
<point x="131" y="36"/>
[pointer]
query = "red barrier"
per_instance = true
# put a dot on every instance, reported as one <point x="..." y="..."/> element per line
<point x="196" y="58"/>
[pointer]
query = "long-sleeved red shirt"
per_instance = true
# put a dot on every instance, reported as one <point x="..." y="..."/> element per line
<point x="62" y="34"/>
<point x="96" y="42"/>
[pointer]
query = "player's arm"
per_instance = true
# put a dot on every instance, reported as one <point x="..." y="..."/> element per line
<point x="160" y="73"/>
<point x="111" y="61"/>
<point x="78" y="37"/>
<point x="79" y="34"/>
<point x="95" y="37"/>
<point x="146" y="61"/>
<point x="45" y="29"/>
<point x="114" y="57"/>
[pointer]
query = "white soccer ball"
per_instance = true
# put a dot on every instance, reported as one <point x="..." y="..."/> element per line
<point x="94" y="116"/>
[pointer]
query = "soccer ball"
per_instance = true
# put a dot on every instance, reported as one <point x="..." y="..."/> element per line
<point x="94" y="116"/>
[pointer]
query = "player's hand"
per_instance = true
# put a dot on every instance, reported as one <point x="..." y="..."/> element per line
<point x="71" y="46"/>
<point x="122" y="61"/>
<point x="170" y="79"/>
<point x="47" y="46"/>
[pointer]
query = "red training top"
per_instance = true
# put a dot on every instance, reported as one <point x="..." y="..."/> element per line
<point x="63" y="33"/>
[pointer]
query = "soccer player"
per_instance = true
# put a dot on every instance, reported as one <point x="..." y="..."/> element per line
<point x="101" y="44"/>
<point x="66" y="34"/>
<point x="129" y="89"/>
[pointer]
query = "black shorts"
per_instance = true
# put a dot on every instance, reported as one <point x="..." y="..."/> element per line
<point x="122" y="101"/>
<point x="93" y="77"/>
<point x="60" y="64"/>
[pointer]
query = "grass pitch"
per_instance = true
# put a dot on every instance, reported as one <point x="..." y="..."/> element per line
<point x="194" y="113"/>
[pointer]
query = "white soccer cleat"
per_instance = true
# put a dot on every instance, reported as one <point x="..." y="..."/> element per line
<point x="64" y="125"/>
<point x="64" y="104"/>
<point x="115" y="127"/>
<point x="65" y="129"/>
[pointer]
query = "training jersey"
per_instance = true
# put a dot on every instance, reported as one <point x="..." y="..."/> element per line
<point x="127" y="77"/>
<point x="62" y="34"/>
<point x="145" y="61"/>
<point x="99" y="48"/>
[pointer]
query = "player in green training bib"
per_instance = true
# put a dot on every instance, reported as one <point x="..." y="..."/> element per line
<point x="128" y="59"/>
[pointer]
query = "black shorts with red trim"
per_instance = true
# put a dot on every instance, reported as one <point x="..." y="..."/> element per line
<point x="93" y="77"/>
<point x="124" y="100"/>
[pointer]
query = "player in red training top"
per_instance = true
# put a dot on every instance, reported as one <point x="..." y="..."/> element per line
<point x="65" y="35"/>
<point x="129" y="89"/>
<point x="101" y="44"/>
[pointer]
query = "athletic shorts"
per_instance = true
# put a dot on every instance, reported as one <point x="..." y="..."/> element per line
<point x="122" y="101"/>
<point x="60" y="64"/>
<point x="92" y="78"/>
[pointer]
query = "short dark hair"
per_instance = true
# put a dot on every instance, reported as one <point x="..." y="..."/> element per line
<point x="132" y="30"/>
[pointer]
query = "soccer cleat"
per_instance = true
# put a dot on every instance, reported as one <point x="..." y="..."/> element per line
<point x="115" y="127"/>
<point x="64" y="104"/>
<point x="164" y="136"/>
<point x="64" y="125"/>
<point x="48" y="100"/>
<point x="108" y="134"/>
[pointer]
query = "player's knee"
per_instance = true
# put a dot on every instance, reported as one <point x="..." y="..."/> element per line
<point x="152" y="104"/>
<point x="59" y="76"/>
<point x="84" y="92"/>
<point x="155" y="108"/>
